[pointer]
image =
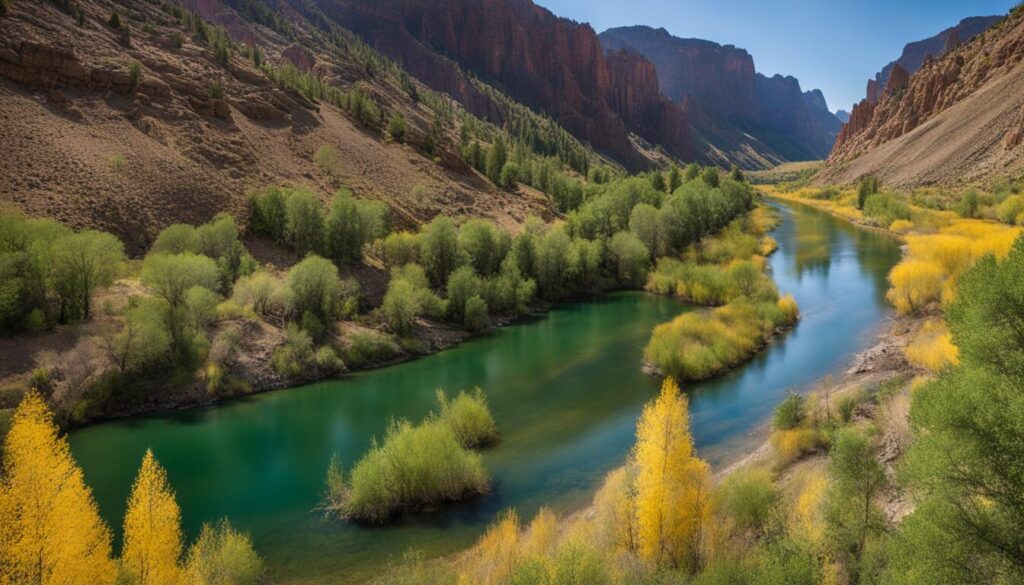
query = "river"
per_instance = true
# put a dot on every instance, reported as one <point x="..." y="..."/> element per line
<point x="565" y="389"/>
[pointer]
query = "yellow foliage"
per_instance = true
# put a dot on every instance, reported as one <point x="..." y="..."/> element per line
<point x="915" y="284"/>
<point x="932" y="347"/>
<point x="791" y="444"/>
<point x="806" y="516"/>
<point x="768" y="245"/>
<point x="542" y="534"/>
<point x="671" y="483"/>
<point x="152" y="528"/>
<point x="494" y="557"/>
<point x="789" y="308"/>
<point x="614" y="521"/>
<point x="901" y="226"/>
<point x="51" y="530"/>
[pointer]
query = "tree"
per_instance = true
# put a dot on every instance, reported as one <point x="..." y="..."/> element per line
<point x="630" y="257"/>
<point x="175" y="239"/>
<point x="315" y="287"/>
<point x="497" y="156"/>
<point x="868" y="186"/>
<point x="675" y="179"/>
<point x="396" y="127"/>
<point x="79" y="264"/>
<point x="737" y="175"/>
<point x="399" y="249"/>
<point x="552" y="262"/>
<point x="658" y="181"/>
<point x="711" y="177"/>
<point x="462" y="285"/>
<point x="475" y="313"/>
<point x="646" y="224"/>
<point x="145" y="337"/>
<point x="966" y="465"/>
<point x="692" y="171"/>
<point x="170" y="276"/>
<point x="51" y="532"/>
<point x="152" y="528"/>
<point x="484" y="244"/>
<point x="350" y="225"/>
<point x="857" y="478"/>
<point x="671" y="483"/>
<point x="915" y="284"/>
<point x="304" y="221"/>
<point x="269" y="217"/>
<point x="223" y="556"/>
<point x="439" y="249"/>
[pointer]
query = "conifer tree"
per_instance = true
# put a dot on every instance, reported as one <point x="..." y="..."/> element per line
<point x="671" y="483"/>
<point x="152" y="528"/>
<point x="51" y="532"/>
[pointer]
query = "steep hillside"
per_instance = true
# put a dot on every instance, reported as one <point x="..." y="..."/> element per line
<point x="956" y="120"/>
<point x="165" y="118"/>
<point x="772" y="114"/>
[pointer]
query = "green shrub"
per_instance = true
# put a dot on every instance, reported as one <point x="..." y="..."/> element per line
<point x="396" y="127"/>
<point x="846" y="406"/>
<point x="791" y="412"/>
<point x="115" y="20"/>
<point x="290" y="359"/>
<point x="469" y="417"/>
<point x="223" y="556"/>
<point x="326" y="157"/>
<point x="134" y="74"/>
<point x="315" y="288"/>
<point x="1011" y="210"/>
<point x="367" y="347"/>
<point x="475" y="317"/>
<point x="868" y="186"/>
<point x="414" y="467"/>
<point x="886" y="208"/>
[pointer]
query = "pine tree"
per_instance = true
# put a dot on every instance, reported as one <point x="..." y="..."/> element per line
<point x="671" y="483"/>
<point x="152" y="528"/>
<point x="497" y="156"/>
<point x="51" y="532"/>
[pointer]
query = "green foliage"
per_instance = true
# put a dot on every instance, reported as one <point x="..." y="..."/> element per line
<point x="326" y="157"/>
<point x="630" y="257"/>
<point x="886" y="208"/>
<point x="711" y="177"/>
<point x="1011" y="210"/>
<point x="145" y="339"/>
<point x="396" y="127"/>
<point x="291" y="358"/>
<point x="268" y="215"/>
<point x="134" y="74"/>
<point x="367" y="347"/>
<point x="749" y="499"/>
<point x="351" y="224"/>
<point x="170" y="276"/>
<point x="439" y="249"/>
<point x="475" y="316"/>
<point x="315" y="288"/>
<point x="223" y="556"/>
<point x="398" y="249"/>
<point x="852" y="516"/>
<point x="968" y="205"/>
<point x="484" y="244"/>
<point x="868" y="186"/>
<point x="115" y="20"/>
<point x="967" y="461"/>
<point x="79" y="264"/>
<point x="304" y="221"/>
<point x="469" y="417"/>
<point x="409" y="297"/>
<point x="463" y="284"/>
<point x="791" y="412"/>
<point x="412" y="468"/>
<point x="645" y="223"/>
<point x="497" y="156"/>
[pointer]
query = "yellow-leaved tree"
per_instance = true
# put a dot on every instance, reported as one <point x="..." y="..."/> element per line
<point x="152" y="529"/>
<point x="671" y="482"/>
<point x="51" y="532"/>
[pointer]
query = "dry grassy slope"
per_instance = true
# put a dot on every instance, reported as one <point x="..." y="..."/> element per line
<point x="959" y="120"/>
<point x="66" y="108"/>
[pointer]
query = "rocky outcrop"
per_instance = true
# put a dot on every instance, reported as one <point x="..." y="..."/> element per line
<point x="957" y="119"/>
<point x="874" y="92"/>
<point x="299" y="56"/>
<point x="843" y="116"/>
<point x="722" y="81"/>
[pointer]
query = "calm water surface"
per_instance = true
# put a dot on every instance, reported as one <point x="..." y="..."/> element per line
<point x="565" y="389"/>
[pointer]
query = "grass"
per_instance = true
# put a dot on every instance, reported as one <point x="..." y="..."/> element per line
<point x="469" y="418"/>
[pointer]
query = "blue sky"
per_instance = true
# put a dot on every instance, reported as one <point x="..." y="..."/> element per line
<point x="833" y="45"/>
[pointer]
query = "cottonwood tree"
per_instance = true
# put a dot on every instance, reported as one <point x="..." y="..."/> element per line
<point x="671" y="483"/>
<point x="79" y="265"/>
<point x="51" y="532"/>
<point x="170" y="276"/>
<point x="152" y="528"/>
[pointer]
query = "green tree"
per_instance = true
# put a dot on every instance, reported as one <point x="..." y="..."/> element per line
<point x="868" y="186"/>
<point x="852" y="516"/>
<point x="484" y="244"/>
<point x="170" y="276"/>
<point x="463" y="284"/>
<point x="223" y="556"/>
<point x="711" y="177"/>
<point x="497" y="156"/>
<point x="145" y="339"/>
<point x="439" y="249"/>
<point x="675" y="178"/>
<point x="692" y="171"/>
<point x="630" y="257"/>
<point x="79" y="265"/>
<point x="315" y="288"/>
<point x="304" y="221"/>
<point x="645" y="222"/>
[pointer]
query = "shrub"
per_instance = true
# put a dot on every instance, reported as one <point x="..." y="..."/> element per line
<point x="791" y="412"/>
<point x="115" y="20"/>
<point x="868" y="186"/>
<point x="134" y="74"/>
<point x="886" y="208"/>
<point x="846" y="406"/>
<point x="439" y="249"/>
<point x="462" y="284"/>
<point x="326" y="157"/>
<point x="630" y="257"/>
<point x="932" y="347"/>
<point x="475" y="318"/>
<point x="792" y="444"/>
<point x="117" y="163"/>
<point x="366" y="347"/>
<point x="469" y="417"/>
<point x="291" y="358"/>
<point x="216" y="90"/>
<point x="396" y="127"/>
<point x="315" y="288"/>
<point x="269" y="217"/>
<point x="915" y="284"/>
<point x="398" y="249"/>
<point x="748" y="498"/>
<point x="351" y="224"/>
<point x="170" y="276"/>
<point x="304" y="221"/>
<point x="223" y="556"/>
<point x="327" y="361"/>
<point x="412" y="468"/>
<point x="1011" y="210"/>
<point x="176" y="238"/>
<point x="408" y="298"/>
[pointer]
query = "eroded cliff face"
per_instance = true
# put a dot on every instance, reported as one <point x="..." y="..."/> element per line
<point x="723" y="81"/>
<point x="552" y="64"/>
<point x="957" y="119"/>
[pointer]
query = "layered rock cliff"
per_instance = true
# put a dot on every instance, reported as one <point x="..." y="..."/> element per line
<point x="958" y="119"/>
<point x="722" y="79"/>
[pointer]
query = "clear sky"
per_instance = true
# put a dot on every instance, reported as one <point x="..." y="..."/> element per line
<point x="832" y="45"/>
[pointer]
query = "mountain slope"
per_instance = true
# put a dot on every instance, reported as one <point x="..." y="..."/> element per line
<point x="771" y="112"/>
<point x="91" y="143"/>
<point x="958" y="119"/>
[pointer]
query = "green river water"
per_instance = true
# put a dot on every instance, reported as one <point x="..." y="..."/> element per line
<point x="565" y="390"/>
